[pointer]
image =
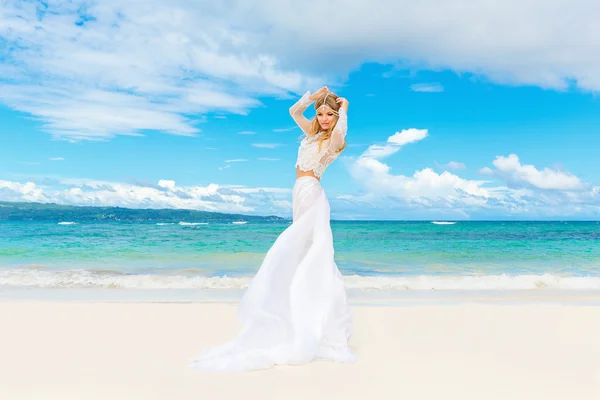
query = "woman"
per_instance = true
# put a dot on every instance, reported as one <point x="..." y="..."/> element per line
<point x="295" y="308"/>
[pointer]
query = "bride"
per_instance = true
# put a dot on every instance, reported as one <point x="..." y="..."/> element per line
<point x="295" y="308"/>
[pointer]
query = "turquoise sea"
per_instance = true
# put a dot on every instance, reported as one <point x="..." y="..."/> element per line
<point x="209" y="258"/>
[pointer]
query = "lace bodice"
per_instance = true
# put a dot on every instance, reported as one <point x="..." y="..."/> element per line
<point x="310" y="158"/>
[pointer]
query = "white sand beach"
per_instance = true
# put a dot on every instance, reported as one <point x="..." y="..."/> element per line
<point x="62" y="350"/>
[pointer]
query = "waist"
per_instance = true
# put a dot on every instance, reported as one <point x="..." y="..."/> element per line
<point x="305" y="182"/>
<point x="306" y="177"/>
<point x="305" y="174"/>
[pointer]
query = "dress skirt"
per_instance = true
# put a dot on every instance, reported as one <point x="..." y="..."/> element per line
<point x="295" y="309"/>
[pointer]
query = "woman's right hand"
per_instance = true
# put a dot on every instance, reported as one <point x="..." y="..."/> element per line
<point x="316" y="95"/>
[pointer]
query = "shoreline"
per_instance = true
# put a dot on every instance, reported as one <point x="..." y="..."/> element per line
<point x="356" y="297"/>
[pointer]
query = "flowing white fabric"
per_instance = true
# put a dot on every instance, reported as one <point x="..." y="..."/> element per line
<point x="295" y="309"/>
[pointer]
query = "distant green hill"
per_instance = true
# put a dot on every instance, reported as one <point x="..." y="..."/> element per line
<point x="20" y="211"/>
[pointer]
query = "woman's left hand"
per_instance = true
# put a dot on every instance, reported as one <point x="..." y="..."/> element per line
<point x="343" y="103"/>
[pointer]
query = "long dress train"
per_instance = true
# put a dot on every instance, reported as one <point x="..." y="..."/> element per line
<point x="295" y="309"/>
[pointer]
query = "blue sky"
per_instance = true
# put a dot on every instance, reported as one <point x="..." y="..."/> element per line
<point x="185" y="105"/>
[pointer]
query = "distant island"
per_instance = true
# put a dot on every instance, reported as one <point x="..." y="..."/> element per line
<point x="23" y="211"/>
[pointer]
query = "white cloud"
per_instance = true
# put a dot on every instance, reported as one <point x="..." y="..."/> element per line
<point x="378" y="151"/>
<point x="394" y="143"/>
<point x="57" y="159"/>
<point x="407" y="136"/>
<point x="131" y="68"/>
<point x="423" y="186"/>
<point x="17" y="191"/>
<point x="245" y="189"/>
<point x="516" y="174"/>
<point x="92" y="70"/>
<point x="424" y="195"/>
<point x="427" y="87"/>
<point x="372" y="165"/>
<point x="284" y="129"/>
<point x="455" y="165"/>
<point x="246" y="133"/>
<point x="167" y="184"/>
<point x="530" y="193"/>
<point x="165" y="194"/>
<point x="267" y="145"/>
<point x="486" y="171"/>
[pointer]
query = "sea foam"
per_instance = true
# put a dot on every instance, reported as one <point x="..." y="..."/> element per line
<point x="37" y="278"/>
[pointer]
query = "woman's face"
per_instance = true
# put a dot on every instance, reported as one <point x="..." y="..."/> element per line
<point x="325" y="117"/>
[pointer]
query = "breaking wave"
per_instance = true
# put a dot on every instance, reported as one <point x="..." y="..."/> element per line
<point x="43" y="278"/>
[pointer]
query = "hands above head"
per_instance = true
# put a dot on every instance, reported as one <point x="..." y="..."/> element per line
<point x="321" y="92"/>
<point x="316" y="95"/>
<point x="343" y="103"/>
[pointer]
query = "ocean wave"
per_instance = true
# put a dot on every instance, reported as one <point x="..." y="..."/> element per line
<point x="114" y="280"/>
<point x="37" y="278"/>
<point x="67" y="223"/>
<point x="192" y="223"/>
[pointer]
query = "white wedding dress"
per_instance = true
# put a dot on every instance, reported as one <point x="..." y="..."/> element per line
<point x="295" y="309"/>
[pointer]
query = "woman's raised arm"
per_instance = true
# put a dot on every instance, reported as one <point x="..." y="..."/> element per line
<point x="297" y="112"/>
<point x="338" y="136"/>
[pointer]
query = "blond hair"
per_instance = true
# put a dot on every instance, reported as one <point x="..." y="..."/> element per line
<point x="329" y="100"/>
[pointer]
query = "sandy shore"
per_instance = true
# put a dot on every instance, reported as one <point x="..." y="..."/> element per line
<point x="141" y="351"/>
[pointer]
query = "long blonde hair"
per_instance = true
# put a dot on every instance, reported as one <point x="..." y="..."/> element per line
<point x="329" y="100"/>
